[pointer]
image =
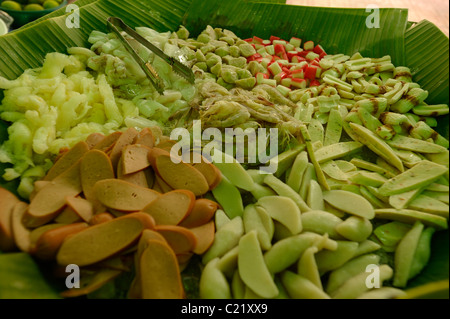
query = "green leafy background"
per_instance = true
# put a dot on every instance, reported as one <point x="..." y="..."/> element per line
<point x="420" y="46"/>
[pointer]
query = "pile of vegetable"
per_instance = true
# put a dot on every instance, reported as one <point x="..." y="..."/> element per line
<point x="362" y="175"/>
<point x="108" y="198"/>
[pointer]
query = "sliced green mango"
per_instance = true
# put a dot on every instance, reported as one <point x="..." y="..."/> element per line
<point x="377" y="145"/>
<point x="422" y="253"/>
<point x="371" y="167"/>
<point x="256" y="175"/>
<point x="402" y="200"/>
<point x="316" y="130"/>
<point x="357" y="285"/>
<point x="287" y="251"/>
<point x="312" y="157"/>
<point x="233" y="171"/>
<point x="308" y="176"/>
<point x="409" y="158"/>
<point x="213" y="283"/>
<point x="345" y="166"/>
<point x="228" y="263"/>
<point x="413" y="144"/>
<point x="229" y="197"/>
<point x="266" y="220"/>
<point x="367" y="178"/>
<point x="237" y="286"/>
<point x="375" y="192"/>
<point x="329" y="260"/>
<point x="284" y="190"/>
<point x="338" y="150"/>
<point x="225" y="239"/>
<point x="283" y="294"/>
<point x="374" y="200"/>
<point x="350" y="269"/>
<point x="307" y="267"/>
<point x="333" y="130"/>
<point x="350" y="203"/>
<point x="410" y="216"/>
<point x="294" y="179"/>
<point x="298" y="287"/>
<point x="391" y="233"/>
<point x="321" y="222"/>
<point x="252" y="221"/>
<point x="435" y="187"/>
<point x="420" y="175"/>
<point x="284" y="210"/>
<point x="366" y="247"/>
<point x="429" y="205"/>
<point x="383" y="293"/>
<point x="355" y="228"/>
<point x="220" y="219"/>
<point x="332" y="169"/>
<point x="439" y="158"/>
<point x="404" y="255"/>
<point x="314" y="198"/>
<point x="284" y="160"/>
<point x="252" y="268"/>
<point x="440" y="196"/>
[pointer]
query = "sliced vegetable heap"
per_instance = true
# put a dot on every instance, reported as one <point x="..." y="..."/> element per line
<point x="115" y="202"/>
<point x="362" y="174"/>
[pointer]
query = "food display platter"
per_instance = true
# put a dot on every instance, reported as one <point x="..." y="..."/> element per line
<point x="406" y="72"/>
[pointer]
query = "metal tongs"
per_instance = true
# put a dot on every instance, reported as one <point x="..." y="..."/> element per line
<point x="118" y="26"/>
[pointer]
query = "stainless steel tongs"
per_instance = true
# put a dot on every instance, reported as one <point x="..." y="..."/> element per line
<point x="118" y="26"/>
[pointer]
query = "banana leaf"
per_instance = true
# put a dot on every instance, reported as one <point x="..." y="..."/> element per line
<point x="420" y="46"/>
<point x="426" y="40"/>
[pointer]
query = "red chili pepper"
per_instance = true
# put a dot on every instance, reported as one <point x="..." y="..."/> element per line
<point x="291" y="54"/>
<point x="298" y="71"/>
<point x="280" y="51"/>
<point x="310" y="72"/>
<point x="303" y="53"/>
<point x="298" y="74"/>
<point x="264" y="75"/>
<point x="283" y="75"/>
<point x="318" y="49"/>
<point x="272" y="37"/>
<point x="279" y="48"/>
<point x="296" y="42"/>
<point x="285" y="69"/>
<point x="257" y="40"/>
<point x="315" y="62"/>
<point x="254" y="57"/>
<point x="297" y="59"/>
<point x="299" y="83"/>
<point x="314" y="83"/>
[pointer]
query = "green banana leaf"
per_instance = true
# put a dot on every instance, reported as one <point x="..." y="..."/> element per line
<point x="338" y="30"/>
<point x="22" y="278"/>
<point x="420" y="46"/>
